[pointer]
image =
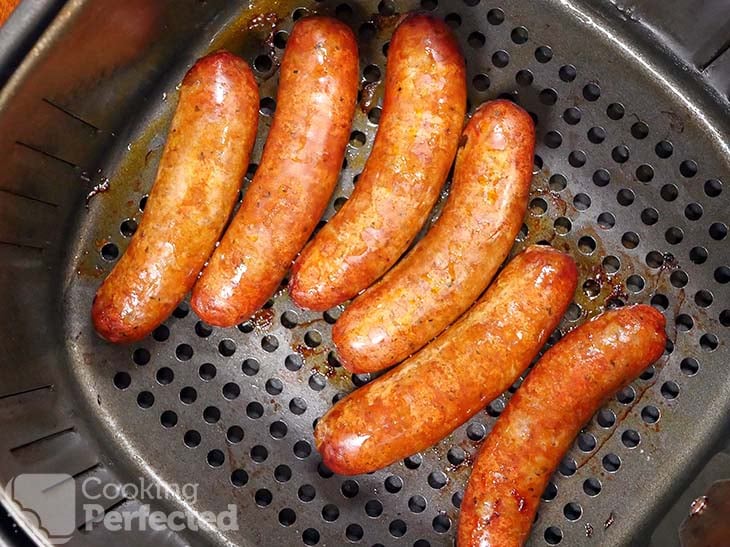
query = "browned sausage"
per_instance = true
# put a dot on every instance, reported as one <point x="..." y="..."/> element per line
<point x="450" y="267"/>
<point x="422" y="117"/>
<point x="206" y="155"/>
<point x="559" y="396"/>
<point x="298" y="172"/>
<point x="428" y="396"/>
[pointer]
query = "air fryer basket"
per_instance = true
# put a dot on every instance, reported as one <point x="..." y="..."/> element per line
<point x="631" y="177"/>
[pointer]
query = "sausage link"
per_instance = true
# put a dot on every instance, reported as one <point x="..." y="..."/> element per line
<point x="422" y="116"/>
<point x="450" y="267"/>
<point x="563" y="391"/>
<point x="297" y="175"/>
<point x="205" y="157"/>
<point x="428" y="396"/>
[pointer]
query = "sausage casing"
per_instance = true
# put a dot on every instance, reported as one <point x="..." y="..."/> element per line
<point x="561" y="393"/>
<point x="422" y="117"/>
<point x="453" y="264"/>
<point x="206" y="155"/>
<point x="430" y="394"/>
<point x="296" y="177"/>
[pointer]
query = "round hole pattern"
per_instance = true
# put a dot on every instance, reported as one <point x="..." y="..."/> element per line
<point x="619" y="189"/>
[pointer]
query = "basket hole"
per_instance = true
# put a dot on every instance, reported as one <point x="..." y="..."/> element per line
<point x="128" y="227"/>
<point x="606" y="220"/>
<point x="168" y="419"/>
<point x="718" y="231"/>
<point x="280" y="39"/>
<point x="572" y="115"/>
<point x="664" y="149"/>
<point x="476" y="40"/>
<point x="203" y="330"/>
<point x="259" y="453"/>
<point x="373" y="508"/>
<point x="689" y="366"/>
<point x="630" y="438"/>
<point x="601" y="177"/>
<point x="722" y="274"/>
<point x="639" y="130"/>
<point x="611" y="264"/>
<point x="215" y="458"/>
<point x="188" y="395"/>
<point x="572" y="511"/>
<point x="354" y="532"/>
<point x="413" y="462"/>
<point x="562" y="225"/>
<point x="660" y="302"/>
<point x="649" y="216"/>
<point x="670" y="390"/>
<point x="184" y="352"/>
<point x="145" y="399"/>
<point x="122" y="380"/>
<point x="709" y="342"/>
<point x="211" y="414"/>
<point x="282" y="473"/>
<point x="548" y="96"/>
<point x="615" y="111"/>
<point x="239" y="478"/>
<point x="591" y="92"/>
<point x="141" y="356"/>
<point x="567" y="467"/>
<point x="263" y="497"/>
<point x="165" y="376"/>
<point x="302" y="449"/>
<point x="519" y="35"/>
<point x="270" y="343"/>
<point x="234" y="434"/>
<point x="110" y="252"/>
<point x="417" y="504"/>
<point x="592" y="487"/>
<point x="543" y="54"/>
<point x="495" y="16"/>
<point x="688" y="168"/>
<point x="192" y="438"/>
<point x="250" y="367"/>
<point x="524" y="77"/>
<point x="550" y="493"/>
<point x="297" y="406"/>
<point x="713" y="188"/>
<point x="441" y="524"/>
<point x="393" y="484"/>
<point x="267" y="106"/>
<point x="650" y="414"/>
<point x="306" y="493"/>
<point x="577" y="158"/>
<point x="567" y="73"/>
<point x="227" y="347"/>
<point x="330" y="512"/>
<point x="254" y="410"/>
<point x="500" y="58"/>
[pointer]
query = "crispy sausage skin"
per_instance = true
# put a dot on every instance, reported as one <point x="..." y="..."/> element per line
<point x="422" y="117"/>
<point x="563" y="391"/>
<point x="297" y="175"/>
<point x="429" y="395"/>
<point x="453" y="264"/>
<point x="205" y="157"/>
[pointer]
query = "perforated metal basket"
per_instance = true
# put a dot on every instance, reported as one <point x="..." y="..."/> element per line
<point x="631" y="176"/>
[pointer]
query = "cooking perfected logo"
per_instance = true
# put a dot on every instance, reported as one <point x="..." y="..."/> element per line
<point x="47" y="502"/>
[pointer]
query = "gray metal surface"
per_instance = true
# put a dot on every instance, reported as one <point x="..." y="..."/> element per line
<point x="646" y="220"/>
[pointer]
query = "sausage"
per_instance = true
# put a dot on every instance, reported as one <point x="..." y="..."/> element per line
<point x="429" y="395"/>
<point x="205" y="157"/>
<point x="453" y="264"/>
<point x="298" y="172"/>
<point x="528" y="441"/>
<point x="422" y="117"/>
